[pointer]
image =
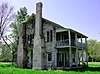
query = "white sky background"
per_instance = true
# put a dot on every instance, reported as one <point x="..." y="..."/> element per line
<point x="80" y="15"/>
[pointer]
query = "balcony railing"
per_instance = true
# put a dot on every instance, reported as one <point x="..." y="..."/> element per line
<point x="81" y="45"/>
<point x="62" y="42"/>
<point x="66" y="43"/>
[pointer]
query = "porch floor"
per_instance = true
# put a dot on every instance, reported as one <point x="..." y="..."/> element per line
<point x="68" y="68"/>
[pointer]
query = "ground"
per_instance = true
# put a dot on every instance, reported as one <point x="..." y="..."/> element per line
<point x="9" y="69"/>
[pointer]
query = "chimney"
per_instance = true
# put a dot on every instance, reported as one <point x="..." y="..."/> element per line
<point x="38" y="21"/>
<point x="37" y="46"/>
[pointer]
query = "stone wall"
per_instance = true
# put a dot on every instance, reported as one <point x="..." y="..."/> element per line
<point x="50" y="46"/>
<point x="22" y="50"/>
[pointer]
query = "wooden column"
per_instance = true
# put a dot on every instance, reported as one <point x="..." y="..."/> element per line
<point x="70" y="52"/>
<point x="86" y="52"/>
<point x="76" y="57"/>
<point x="60" y="37"/>
<point x="54" y="51"/>
<point x="82" y="51"/>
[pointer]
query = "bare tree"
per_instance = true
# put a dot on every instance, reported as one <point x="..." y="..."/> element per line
<point x="6" y="17"/>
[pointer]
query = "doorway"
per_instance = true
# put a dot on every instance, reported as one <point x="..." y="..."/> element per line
<point x="62" y="60"/>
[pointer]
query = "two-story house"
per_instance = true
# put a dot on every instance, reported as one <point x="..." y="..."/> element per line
<point x="49" y="45"/>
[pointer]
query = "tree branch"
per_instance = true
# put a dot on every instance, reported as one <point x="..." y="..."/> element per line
<point x="6" y="42"/>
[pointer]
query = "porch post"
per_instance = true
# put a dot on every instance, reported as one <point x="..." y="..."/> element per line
<point x="82" y="51"/>
<point x="54" y="49"/>
<point x="70" y="52"/>
<point x="76" y="58"/>
<point x="86" y="52"/>
<point x="60" y="37"/>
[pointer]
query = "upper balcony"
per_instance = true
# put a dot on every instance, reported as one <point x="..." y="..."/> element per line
<point x="70" y="38"/>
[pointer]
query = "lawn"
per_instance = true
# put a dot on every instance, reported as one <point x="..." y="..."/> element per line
<point x="94" y="68"/>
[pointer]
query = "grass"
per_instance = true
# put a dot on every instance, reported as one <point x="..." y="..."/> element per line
<point x="94" y="68"/>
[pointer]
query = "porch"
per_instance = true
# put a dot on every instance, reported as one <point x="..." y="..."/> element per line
<point x="63" y="58"/>
<point x="71" y="42"/>
<point x="70" y="58"/>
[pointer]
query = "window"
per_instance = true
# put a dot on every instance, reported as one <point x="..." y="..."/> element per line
<point x="49" y="36"/>
<point x="49" y="57"/>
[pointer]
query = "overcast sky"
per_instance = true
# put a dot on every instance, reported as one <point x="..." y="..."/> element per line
<point x="80" y="15"/>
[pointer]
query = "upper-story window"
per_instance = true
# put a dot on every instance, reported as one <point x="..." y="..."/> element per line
<point x="49" y="36"/>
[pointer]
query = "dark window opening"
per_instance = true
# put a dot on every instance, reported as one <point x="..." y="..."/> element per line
<point x="48" y="36"/>
<point x="49" y="57"/>
<point x="51" y="35"/>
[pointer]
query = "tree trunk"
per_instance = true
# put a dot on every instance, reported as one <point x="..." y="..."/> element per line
<point x="92" y="59"/>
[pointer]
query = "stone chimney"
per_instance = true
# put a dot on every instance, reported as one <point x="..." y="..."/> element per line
<point x="37" y="46"/>
<point x="38" y="21"/>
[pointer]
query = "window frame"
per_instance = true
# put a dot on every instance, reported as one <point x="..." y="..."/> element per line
<point x="49" y="56"/>
<point x="50" y="36"/>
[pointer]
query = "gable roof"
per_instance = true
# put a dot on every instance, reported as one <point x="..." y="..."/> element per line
<point x="55" y="25"/>
<point x="59" y="26"/>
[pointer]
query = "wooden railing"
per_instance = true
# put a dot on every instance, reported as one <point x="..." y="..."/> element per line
<point x="66" y="43"/>
<point x="62" y="42"/>
<point x="81" y="45"/>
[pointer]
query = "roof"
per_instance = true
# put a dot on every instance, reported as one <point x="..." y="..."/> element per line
<point x="78" y="32"/>
<point x="58" y="26"/>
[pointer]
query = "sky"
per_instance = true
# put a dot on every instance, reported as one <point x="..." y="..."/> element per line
<point x="80" y="15"/>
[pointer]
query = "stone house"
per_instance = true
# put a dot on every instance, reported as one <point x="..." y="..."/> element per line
<point x="44" y="44"/>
